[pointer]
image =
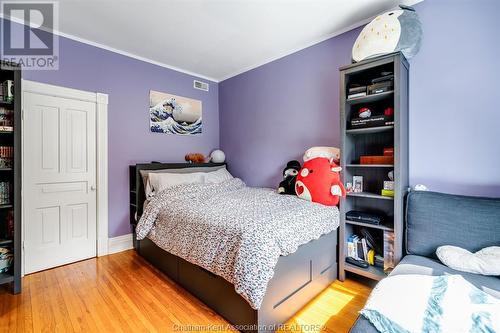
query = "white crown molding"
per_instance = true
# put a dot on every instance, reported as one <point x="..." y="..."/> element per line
<point x="225" y="77"/>
<point x="120" y="243"/>
<point x="137" y="57"/>
<point x="114" y="50"/>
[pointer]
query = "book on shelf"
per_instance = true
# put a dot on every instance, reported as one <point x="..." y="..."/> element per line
<point x="384" y="78"/>
<point x="373" y="121"/>
<point x="6" y="156"/>
<point x="356" y="89"/>
<point x="8" y="91"/>
<point x="362" y="248"/>
<point x="350" y="247"/>
<point x="365" y="249"/>
<point x="4" y="193"/>
<point x="359" y="248"/>
<point x="354" y="247"/>
<point x="6" y="120"/>
<point x="376" y="159"/>
<point x="360" y="94"/>
<point x="381" y="87"/>
<point x="371" y="241"/>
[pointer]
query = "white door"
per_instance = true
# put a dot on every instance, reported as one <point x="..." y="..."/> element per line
<point x="59" y="184"/>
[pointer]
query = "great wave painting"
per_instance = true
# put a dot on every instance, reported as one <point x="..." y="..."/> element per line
<point x="174" y="114"/>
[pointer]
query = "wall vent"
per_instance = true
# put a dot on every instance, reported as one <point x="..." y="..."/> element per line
<point x="200" y="85"/>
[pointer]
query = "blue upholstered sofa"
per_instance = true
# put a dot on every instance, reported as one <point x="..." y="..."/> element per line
<point x="435" y="219"/>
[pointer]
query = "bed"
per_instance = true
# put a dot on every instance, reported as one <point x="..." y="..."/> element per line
<point x="298" y="276"/>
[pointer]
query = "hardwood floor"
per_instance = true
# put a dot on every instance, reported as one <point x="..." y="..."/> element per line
<point x="123" y="293"/>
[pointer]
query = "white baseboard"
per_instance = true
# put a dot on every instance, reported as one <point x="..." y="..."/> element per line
<point x="120" y="243"/>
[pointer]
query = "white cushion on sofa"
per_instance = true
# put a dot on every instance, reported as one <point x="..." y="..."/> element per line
<point x="484" y="262"/>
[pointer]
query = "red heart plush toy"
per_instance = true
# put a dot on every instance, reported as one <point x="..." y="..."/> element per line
<point x="319" y="181"/>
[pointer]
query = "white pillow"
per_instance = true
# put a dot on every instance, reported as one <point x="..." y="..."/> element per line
<point x="162" y="181"/>
<point x="218" y="176"/>
<point x="484" y="262"/>
<point x="145" y="174"/>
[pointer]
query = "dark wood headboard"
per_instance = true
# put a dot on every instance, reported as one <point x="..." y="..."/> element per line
<point x="136" y="185"/>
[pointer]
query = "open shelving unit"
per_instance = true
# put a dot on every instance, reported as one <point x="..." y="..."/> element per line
<point x="10" y="211"/>
<point x="371" y="141"/>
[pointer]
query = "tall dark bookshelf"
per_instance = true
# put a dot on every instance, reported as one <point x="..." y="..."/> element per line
<point x="12" y="175"/>
<point x="357" y="142"/>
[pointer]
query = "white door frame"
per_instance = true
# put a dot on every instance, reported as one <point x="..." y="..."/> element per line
<point x="101" y="101"/>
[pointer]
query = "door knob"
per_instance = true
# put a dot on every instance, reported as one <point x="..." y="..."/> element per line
<point x="93" y="188"/>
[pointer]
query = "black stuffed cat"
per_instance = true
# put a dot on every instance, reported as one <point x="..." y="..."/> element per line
<point x="287" y="185"/>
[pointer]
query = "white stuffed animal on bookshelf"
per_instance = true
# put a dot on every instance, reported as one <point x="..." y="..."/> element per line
<point x="396" y="30"/>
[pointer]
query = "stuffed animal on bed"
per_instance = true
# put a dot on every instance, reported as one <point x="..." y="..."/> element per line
<point x="287" y="185"/>
<point x="319" y="181"/>
<point x="195" y="158"/>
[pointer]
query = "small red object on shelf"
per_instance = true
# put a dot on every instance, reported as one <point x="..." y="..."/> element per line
<point x="364" y="113"/>
<point x="389" y="112"/>
<point x="376" y="160"/>
<point x="389" y="151"/>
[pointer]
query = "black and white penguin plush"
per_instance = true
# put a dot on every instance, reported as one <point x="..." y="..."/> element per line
<point x="287" y="185"/>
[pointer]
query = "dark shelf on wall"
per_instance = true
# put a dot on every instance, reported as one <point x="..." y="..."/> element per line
<point x="371" y="141"/>
<point x="12" y="175"/>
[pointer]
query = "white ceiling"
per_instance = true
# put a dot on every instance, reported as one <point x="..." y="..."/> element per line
<point x="214" y="39"/>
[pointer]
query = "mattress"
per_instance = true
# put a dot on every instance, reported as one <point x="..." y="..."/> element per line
<point x="234" y="231"/>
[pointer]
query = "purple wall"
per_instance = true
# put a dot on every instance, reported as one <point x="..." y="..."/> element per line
<point x="454" y="108"/>
<point x="273" y="113"/>
<point x="128" y="81"/>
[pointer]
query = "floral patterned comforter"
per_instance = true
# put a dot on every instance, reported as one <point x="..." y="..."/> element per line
<point x="234" y="231"/>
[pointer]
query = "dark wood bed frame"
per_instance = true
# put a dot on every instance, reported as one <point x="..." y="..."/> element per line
<point x="298" y="277"/>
